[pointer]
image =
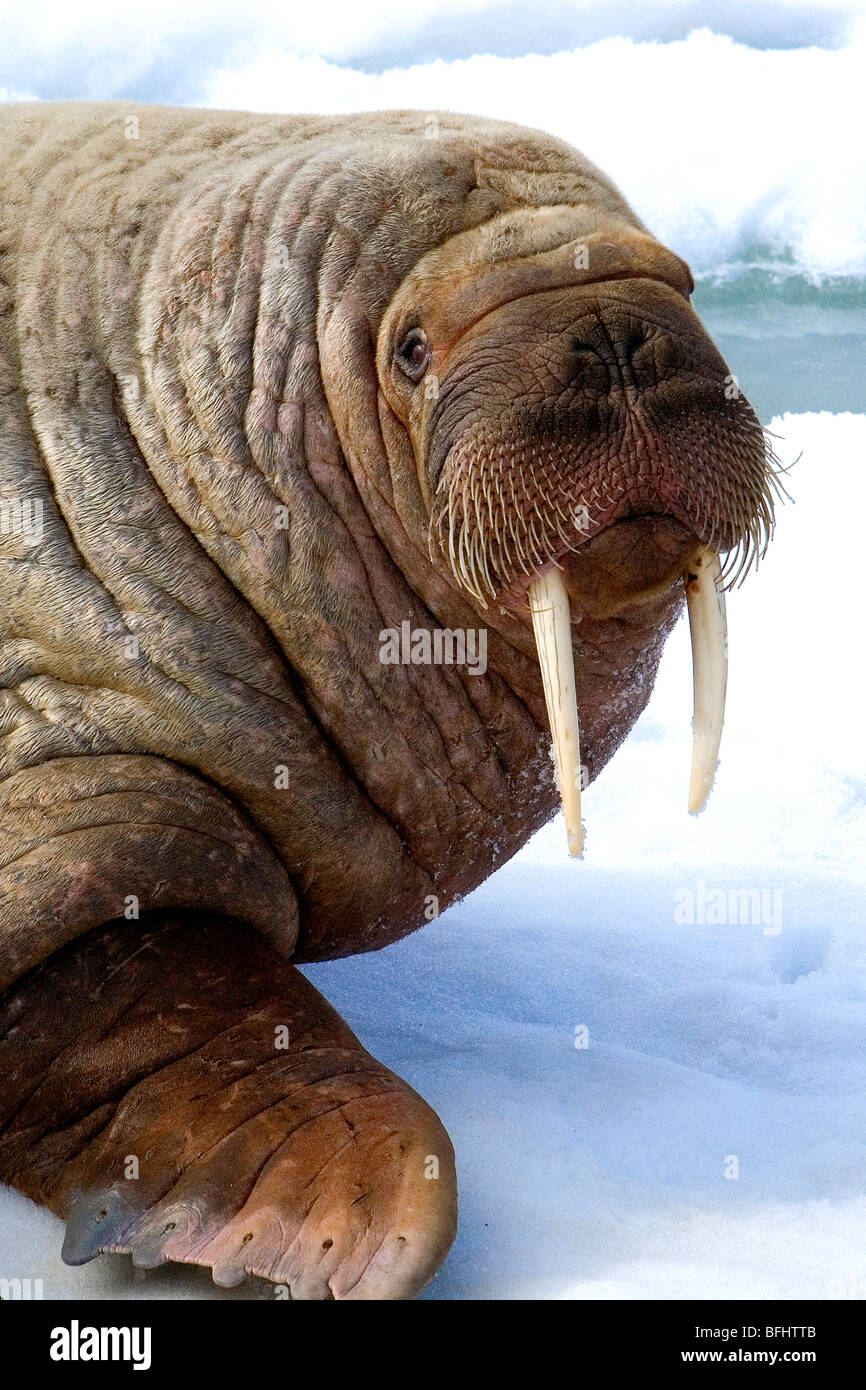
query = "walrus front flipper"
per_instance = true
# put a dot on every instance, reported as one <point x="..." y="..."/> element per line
<point x="208" y="1106"/>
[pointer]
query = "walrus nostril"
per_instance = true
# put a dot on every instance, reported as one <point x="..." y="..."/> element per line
<point x="629" y="346"/>
<point x="611" y="360"/>
<point x="633" y="369"/>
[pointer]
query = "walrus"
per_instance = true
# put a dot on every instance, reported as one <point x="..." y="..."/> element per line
<point x="292" y="408"/>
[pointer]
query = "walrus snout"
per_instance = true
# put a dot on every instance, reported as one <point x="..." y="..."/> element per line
<point x="563" y="413"/>
<point x="625" y="567"/>
<point x="584" y="449"/>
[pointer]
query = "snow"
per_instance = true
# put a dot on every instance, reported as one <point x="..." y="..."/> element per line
<point x="607" y="1171"/>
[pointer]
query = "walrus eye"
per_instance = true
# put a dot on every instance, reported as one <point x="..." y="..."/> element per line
<point x="414" y="353"/>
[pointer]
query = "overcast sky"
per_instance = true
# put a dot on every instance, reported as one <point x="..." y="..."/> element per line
<point x="169" y="52"/>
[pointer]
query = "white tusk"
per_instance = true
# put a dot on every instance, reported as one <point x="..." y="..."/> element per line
<point x="709" y="628"/>
<point x="551" y="622"/>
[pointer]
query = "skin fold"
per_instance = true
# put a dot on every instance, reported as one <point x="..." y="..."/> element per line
<point x="279" y="384"/>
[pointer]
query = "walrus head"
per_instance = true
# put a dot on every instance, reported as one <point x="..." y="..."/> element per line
<point x="582" y="450"/>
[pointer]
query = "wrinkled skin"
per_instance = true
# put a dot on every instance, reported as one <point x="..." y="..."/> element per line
<point x="207" y="769"/>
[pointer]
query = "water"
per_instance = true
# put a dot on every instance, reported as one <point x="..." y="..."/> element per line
<point x="794" y="344"/>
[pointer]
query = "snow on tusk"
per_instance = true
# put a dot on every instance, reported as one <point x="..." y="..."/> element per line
<point x="551" y="622"/>
<point x="709" y="628"/>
